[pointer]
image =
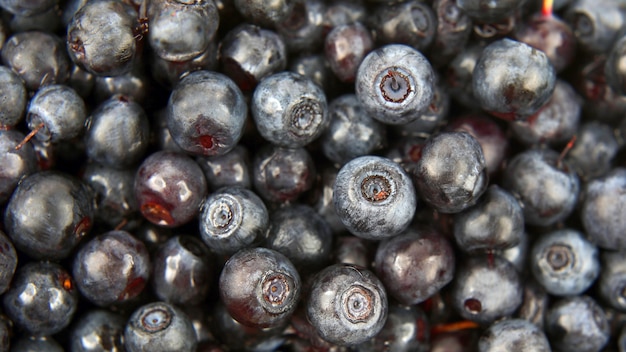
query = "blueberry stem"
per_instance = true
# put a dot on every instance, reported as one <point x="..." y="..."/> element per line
<point x="29" y="136"/>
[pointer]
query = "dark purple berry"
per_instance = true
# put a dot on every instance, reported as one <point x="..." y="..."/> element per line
<point x="98" y="330"/>
<point x="514" y="335"/>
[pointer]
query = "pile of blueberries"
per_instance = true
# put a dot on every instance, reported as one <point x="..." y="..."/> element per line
<point x="311" y="175"/>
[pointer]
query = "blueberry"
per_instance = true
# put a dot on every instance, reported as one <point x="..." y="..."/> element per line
<point x="289" y="110"/>
<point x="433" y="118"/>
<point x="35" y="344"/>
<point x="459" y="75"/>
<point x="48" y="214"/>
<point x="345" y="61"/>
<point x="514" y="334"/>
<point x="486" y="288"/>
<point x="57" y="112"/>
<point x="47" y="21"/>
<point x="596" y="24"/>
<point x="316" y="68"/>
<point x="556" y="122"/>
<point x="13" y="91"/>
<point x="16" y="164"/>
<point x="42" y="299"/>
<point x="451" y="173"/>
<point x="181" y="30"/>
<point x="260" y="287"/>
<point x="81" y="81"/>
<point x="111" y="268"/>
<point x="605" y="224"/>
<point x="98" y="330"/>
<point x="229" y="170"/>
<point x="406" y="329"/>
<point x="495" y="222"/>
<point x="282" y="174"/>
<point x="614" y="73"/>
<point x="513" y="80"/>
<point x="169" y="188"/>
<point x="302" y="235"/>
<point x="303" y="28"/>
<point x="37" y="57"/>
<point x="353" y="250"/>
<point x="374" y="197"/>
<point x="453" y="31"/>
<point x="233" y="218"/>
<point x="595" y="147"/>
<point x="117" y="133"/>
<point x="395" y="83"/>
<point x="133" y="84"/>
<point x="343" y="12"/>
<point x="413" y="23"/>
<point x="265" y="13"/>
<point x="169" y="73"/>
<point x="347" y="305"/>
<point x="488" y="12"/>
<point x="8" y="262"/>
<point x="321" y="199"/>
<point x="564" y="262"/>
<point x="27" y="8"/>
<point x="189" y="280"/>
<point x="159" y="326"/>
<point x="546" y="187"/>
<point x="535" y="304"/>
<point x="101" y="37"/>
<point x="352" y="131"/>
<point x="415" y="265"/>
<point x="517" y="254"/>
<point x="115" y="194"/>
<point x="577" y="323"/>
<point x="206" y="113"/>
<point x="612" y="279"/>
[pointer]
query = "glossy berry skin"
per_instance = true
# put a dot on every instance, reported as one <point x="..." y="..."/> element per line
<point x="265" y="13"/>
<point x="395" y="84"/>
<point x="303" y="29"/>
<point x="181" y="30"/>
<point x="13" y="105"/>
<point x="564" y="262"/>
<point x="229" y="170"/>
<point x="488" y="12"/>
<point x="344" y="59"/>
<point x="159" y="326"/>
<point x="432" y="118"/>
<point x="514" y="334"/>
<point x="282" y="174"/>
<point x="118" y="133"/>
<point x="27" y="8"/>
<point x="188" y="281"/>
<point x="60" y="109"/>
<point x="495" y="222"/>
<point x="413" y="23"/>
<point x="33" y="344"/>
<point x="453" y="31"/>
<point x="451" y="174"/>
<point x="115" y="193"/>
<point x="289" y="110"/>
<point x="16" y="164"/>
<point x="347" y="304"/>
<point x="546" y="188"/>
<point x="459" y="75"/>
<point x="8" y="262"/>
<point x="550" y="35"/>
<point x="415" y="265"/>
<point x="374" y="197"/>
<point x="302" y="235"/>
<point x="111" y="54"/>
<point x="406" y="329"/>
<point x="42" y="299"/>
<point x="169" y="73"/>
<point x="486" y="288"/>
<point x="535" y="304"/>
<point x="352" y="132"/>
<point x="48" y="214"/>
<point x="38" y="58"/>
<point x="513" y="80"/>
<point x="316" y="68"/>
<point x="98" y="330"/>
<point x="111" y="268"/>
<point x="260" y="287"/>
<point x="169" y="188"/>
<point x="605" y="225"/>
<point x="233" y="218"/>
<point x="615" y="74"/>
<point x="249" y="53"/>
<point x="612" y="279"/>
<point x="206" y="113"/>
<point x="577" y="323"/>
<point x="556" y="122"/>
<point x="489" y="134"/>
<point x="133" y="84"/>
<point x="596" y="24"/>
<point x="596" y="146"/>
